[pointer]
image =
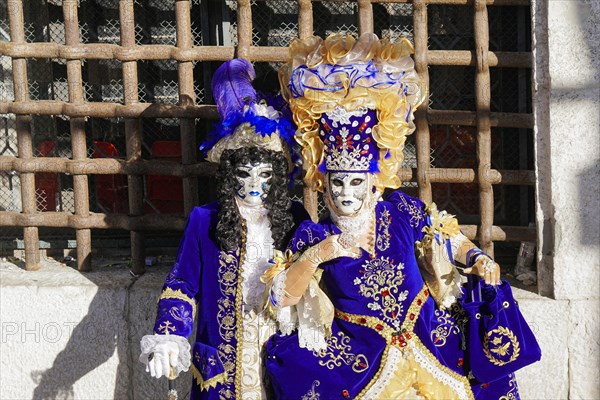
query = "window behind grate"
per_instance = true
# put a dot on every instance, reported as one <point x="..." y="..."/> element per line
<point x="153" y="104"/>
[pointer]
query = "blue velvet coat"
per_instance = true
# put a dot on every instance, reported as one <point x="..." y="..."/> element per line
<point x="375" y="298"/>
<point x="208" y="280"/>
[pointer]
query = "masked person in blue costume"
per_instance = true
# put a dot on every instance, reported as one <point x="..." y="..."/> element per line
<point x="225" y="249"/>
<point x="367" y="298"/>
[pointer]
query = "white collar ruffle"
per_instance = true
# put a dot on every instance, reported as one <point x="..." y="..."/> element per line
<point x="253" y="215"/>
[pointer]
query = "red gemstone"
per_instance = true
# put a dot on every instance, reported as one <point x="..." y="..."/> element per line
<point x="426" y="292"/>
<point x="379" y="327"/>
<point x="437" y="339"/>
<point x="485" y="385"/>
<point x="460" y="362"/>
<point x="403" y="344"/>
<point x="363" y="365"/>
<point x="345" y="393"/>
<point x="385" y="293"/>
<point x="419" y="302"/>
<point x="411" y="316"/>
<point x="407" y="335"/>
<point x="346" y="318"/>
<point x="362" y="321"/>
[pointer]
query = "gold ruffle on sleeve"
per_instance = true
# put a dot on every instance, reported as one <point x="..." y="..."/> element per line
<point x="439" y="273"/>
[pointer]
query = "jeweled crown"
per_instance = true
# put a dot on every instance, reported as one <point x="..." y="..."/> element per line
<point x="348" y="145"/>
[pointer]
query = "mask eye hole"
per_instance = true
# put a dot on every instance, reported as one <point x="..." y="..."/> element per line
<point x="356" y="181"/>
<point x="240" y="173"/>
<point x="337" y="182"/>
<point x="266" y="174"/>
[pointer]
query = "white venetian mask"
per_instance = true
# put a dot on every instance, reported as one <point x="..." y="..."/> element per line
<point x="348" y="191"/>
<point x="253" y="183"/>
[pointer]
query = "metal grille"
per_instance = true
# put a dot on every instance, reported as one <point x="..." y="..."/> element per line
<point x="131" y="73"/>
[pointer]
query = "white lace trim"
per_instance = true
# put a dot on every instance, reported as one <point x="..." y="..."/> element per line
<point x="287" y="318"/>
<point x="306" y="316"/>
<point x="387" y="373"/>
<point x="354" y="224"/>
<point x="278" y="288"/>
<point x="152" y="343"/>
<point x="259" y="250"/>
<point x="311" y="332"/>
<point x="456" y="242"/>
<point x="439" y="374"/>
<point x="252" y="214"/>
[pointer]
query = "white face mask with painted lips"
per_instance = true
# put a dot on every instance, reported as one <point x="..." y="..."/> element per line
<point x="348" y="191"/>
<point x="253" y="183"/>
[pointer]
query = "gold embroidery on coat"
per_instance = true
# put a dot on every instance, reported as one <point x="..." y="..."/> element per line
<point x="166" y="328"/>
<point x="229" y="317"/>
<point x="383" y="230"/>
<point x="238" y="315"/>
<point x="338" y="351"/>
<point x="209" y="383"/>
<point x="312" y="393"/>
<point x="169" y="293"/>
<point x="495" y="346"/>
<point x="389" y="334"/>
<point x="228" y="264"/>
<point x="416" y="215"/>
<point x="380" y="282"/>
<point x="445" y="328"/>
<point x="512" y="393"/>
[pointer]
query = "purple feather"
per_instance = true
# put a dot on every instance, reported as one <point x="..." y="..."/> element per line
<point x="232" y="86"/>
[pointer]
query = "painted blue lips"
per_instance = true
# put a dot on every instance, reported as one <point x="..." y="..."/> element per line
<point x="254" y="193"/>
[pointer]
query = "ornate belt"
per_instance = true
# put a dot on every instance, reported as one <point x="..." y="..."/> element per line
<point x="391" y="335"/>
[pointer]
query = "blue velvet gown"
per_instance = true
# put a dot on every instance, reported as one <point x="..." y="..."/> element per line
<point x="383" y="312"/>
<point x="209" y="280"/>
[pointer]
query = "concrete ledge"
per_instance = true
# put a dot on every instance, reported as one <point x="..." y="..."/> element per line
<point x="71" y="335"/>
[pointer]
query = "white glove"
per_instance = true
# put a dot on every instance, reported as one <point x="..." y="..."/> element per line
<point x="162" y="359"/>
<point x="160" y="353"/>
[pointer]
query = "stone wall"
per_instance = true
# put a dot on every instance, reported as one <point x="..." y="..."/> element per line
<point x="72" y="336"/>
<point x="567" y="138"/>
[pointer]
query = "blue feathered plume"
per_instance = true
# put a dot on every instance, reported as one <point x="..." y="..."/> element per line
<point x="233" y="91"/>
<point x="232" y="86"/>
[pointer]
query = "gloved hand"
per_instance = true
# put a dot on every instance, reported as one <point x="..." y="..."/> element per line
<point x="163" y="359"/>
<point x="487" y="269"/>
<point x="161" y="353"/>
<point x="300" y="273"/>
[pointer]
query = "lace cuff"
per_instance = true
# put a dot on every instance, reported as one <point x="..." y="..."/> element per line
<point x="312" y="315"/>
<point x="440" y="275"/>
<point x="278" y="289"/>
<point x="315" y="315"/>
<point x="456" y="242"/>
<point x="150" y="342"/>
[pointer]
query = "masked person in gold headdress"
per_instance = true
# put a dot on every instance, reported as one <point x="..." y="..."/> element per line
<point x="367" y="297"/>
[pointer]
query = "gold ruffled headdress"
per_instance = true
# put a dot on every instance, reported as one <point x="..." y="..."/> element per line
<point x="343" y="74"/>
